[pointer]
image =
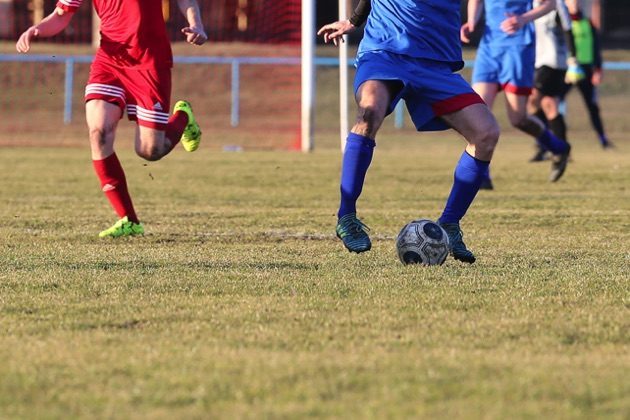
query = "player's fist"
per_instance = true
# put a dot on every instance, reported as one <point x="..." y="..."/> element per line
<point x="574" y="74"/>
<point x="194" y="35"/>
<point x="335" y="31"/>
<point x="24" y="42"/>
<point x="465" y="31"/>
<point x="512" y="24"/>
<point x="597" y="77"/>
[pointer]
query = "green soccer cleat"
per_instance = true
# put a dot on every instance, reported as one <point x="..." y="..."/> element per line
<point x="123" y="227"/>
<point x="192" y="133"/>
<point x="456" y="243"/>
<point x="353" y="233"/>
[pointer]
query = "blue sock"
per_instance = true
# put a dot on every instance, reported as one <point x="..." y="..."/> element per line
<point x="356" y="161"/>
<point x="549" y="141"/>
<point x="469" y="173"/>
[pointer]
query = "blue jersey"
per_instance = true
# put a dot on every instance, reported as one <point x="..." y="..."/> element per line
<point x="496" y="12"/>
<point x="427" y="29"/>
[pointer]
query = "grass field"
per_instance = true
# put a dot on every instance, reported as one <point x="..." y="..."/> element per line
<point x="239" y="302"/>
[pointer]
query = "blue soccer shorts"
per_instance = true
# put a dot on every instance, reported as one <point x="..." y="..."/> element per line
<point x="430" y="88"/>
<point x="511" y="67"/>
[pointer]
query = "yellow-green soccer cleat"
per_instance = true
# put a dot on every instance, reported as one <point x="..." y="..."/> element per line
<point x="123" y="227"/>
<point x="192" y="133"/>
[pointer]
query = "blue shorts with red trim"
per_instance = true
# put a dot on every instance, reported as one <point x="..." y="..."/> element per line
<point x="511" y="67"/>
<point x="430" y="88"/>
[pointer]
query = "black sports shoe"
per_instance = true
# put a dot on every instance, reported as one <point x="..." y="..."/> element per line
<point x="559" y="165"/>
<point x="540" y="156"/>
<point x="486" y="184"/>
<point x="456" y="243"/>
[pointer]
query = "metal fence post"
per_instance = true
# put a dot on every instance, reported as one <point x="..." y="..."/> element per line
<point x="236" y="82"/>
<point x="67" y="106"/>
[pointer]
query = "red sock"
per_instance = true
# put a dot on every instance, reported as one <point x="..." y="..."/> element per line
<point x="175" y="127"/>
<point x="114" y="185"/>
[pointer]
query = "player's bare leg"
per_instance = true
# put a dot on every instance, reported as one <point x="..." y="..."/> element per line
<point x="152" y="144"/>
<point x="488" y="92"/>
<point x="530" y="124"/>
<point x="102" y="120"/>
<point x="481" y="130"/>
<point x="535" y="107"/>
<point x="373" y="97"/>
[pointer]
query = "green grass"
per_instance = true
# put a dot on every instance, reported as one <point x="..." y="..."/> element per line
<point x="240" y="302"/>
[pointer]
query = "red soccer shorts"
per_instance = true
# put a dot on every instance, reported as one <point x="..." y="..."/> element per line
<point x="145" y="93"/>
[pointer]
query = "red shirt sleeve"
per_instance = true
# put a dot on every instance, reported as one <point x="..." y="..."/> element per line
<point x="69" y="6"/>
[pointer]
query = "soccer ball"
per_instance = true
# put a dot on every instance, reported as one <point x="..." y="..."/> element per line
<point x="422" y="242"/>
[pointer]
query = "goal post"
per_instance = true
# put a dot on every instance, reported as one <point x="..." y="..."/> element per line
<point x="343" y="79"/>
<point x="308" y="75"/>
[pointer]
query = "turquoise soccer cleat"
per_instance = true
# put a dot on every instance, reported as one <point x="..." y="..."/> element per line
<point x="353" y="233"/>
<point x="456" y="243"/>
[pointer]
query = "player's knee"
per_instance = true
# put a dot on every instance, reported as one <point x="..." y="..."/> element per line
<point x="519" y="121"/>
<point x="150" y="153"/>
<point x="487" y="137"/>
<point x="369" y="118"/>
<point x="99" y="135"/>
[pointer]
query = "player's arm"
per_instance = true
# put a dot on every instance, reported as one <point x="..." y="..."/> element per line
<point x="475" y="9"/>
<point x="574" y="72"/>
<point x="564" y="20"/>
<point x="335" y="31"/>
<point x="597" y="54"/>
<point x="51" y="25"/>
<point x="515" y="22"/>
<point x="195" y="34"/>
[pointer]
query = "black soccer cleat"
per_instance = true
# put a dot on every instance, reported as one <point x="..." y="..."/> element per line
<point x="456" y="243"/>
<point x="559" y="164"/>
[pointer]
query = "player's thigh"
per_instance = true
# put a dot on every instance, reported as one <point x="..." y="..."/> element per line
<point x="148" y="138"/>
<point x="549" y="106"/>
<point x="516" y="107"/>
<point x="378" y="82"/>
<point x="534" y="101"/>
<point x="487" y="91"/>
<point x="375" y="96"/>
<point x="102" y="116"/>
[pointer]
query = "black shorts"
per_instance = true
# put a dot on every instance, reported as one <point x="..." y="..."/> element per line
<point x="549" y="81"/>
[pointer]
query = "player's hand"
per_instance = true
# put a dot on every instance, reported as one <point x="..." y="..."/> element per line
<point x="194" y="35"/>
<point x="335" y="31"/>
<point x="464" y="32"/>
<point x="23" y="44"/>
<point x="574" y="73"/>
<point x="512" y="24"/>
<point x="597" y="77"/>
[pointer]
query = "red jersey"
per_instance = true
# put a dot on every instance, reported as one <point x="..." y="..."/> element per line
<point x="133" y="33"/>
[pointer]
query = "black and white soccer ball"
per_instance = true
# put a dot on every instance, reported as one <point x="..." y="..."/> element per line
<point x="422" y="242"/>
